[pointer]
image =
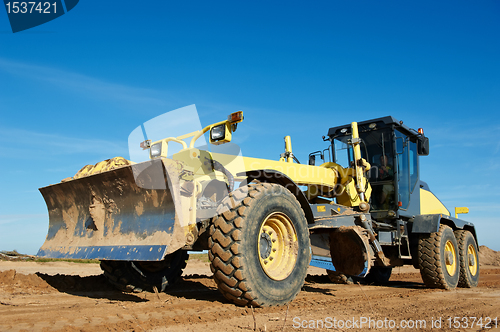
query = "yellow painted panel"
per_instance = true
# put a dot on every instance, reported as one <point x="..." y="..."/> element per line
<point x="430" y="204"/>
<point x="323" y="177"/>
<point x="300" y="173"/>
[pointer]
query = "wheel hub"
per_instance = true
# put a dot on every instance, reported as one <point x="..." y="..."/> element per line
<point x="472" y="255"/>
<point x="265" y="245"/>
<point x="471" y="260"/>
<point x="277" y="246"/>
<point x="449" y="257"/>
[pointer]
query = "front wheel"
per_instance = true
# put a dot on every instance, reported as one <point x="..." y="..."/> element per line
<point x="138" y="276"/>
<point x="438" y="259"/>
<point x="259" y="246"/>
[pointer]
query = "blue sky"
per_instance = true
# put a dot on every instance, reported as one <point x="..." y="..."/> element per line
<point x="73" y="89"/>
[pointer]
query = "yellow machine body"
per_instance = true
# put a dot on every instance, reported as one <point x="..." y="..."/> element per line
<point x="120" y="210"/>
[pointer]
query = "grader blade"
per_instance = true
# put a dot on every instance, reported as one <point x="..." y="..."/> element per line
<point x="350" y="250"/>
<point x="129" y="213"/>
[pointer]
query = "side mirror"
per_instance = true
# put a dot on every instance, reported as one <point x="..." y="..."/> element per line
<point x="423" y="146"/>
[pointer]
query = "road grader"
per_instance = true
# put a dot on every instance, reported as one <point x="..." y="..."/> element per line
<point x="357" y="209"/>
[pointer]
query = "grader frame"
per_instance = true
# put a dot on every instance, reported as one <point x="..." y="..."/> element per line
<point x="141" y="219"/>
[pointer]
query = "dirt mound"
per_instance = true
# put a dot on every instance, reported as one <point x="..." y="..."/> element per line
<point x="67" y="302"/>
<point x="66" y="283"/>
<point x="488" y="256"/>
<point x="41" y="282"/>
<point x="14" y="256"/>
<point x="13" y="281"/>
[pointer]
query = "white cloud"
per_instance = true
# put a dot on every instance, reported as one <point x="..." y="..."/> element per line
<point x="460" y="135"/>
<point x="15" y="218"/>
<point x="128" y="96"/>
<point x="21" y="143"/>
<point x="91" y="87"/>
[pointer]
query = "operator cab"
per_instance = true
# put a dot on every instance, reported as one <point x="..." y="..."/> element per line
<point x="392" y="149"/>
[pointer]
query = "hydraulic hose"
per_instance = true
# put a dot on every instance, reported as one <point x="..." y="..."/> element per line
<point x="217" y="166"/>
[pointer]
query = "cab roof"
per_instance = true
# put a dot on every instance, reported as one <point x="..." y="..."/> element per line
<point x="384" y="122"/>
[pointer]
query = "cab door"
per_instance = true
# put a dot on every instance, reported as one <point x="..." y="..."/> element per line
<point x="407" y="169"/>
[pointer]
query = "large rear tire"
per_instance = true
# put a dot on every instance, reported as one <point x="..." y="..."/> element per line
<point x="259" y="246"/>
<point x="438" y="259"/>
<point x="138" y="276"/>
<point x="468" y="258"/>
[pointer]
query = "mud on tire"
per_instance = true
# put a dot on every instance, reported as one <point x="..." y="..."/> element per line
<point x="438" y="259"/>
<point x="259" y="246"/>
<point x="136" y="276"/>
<point x="469" y="259"/>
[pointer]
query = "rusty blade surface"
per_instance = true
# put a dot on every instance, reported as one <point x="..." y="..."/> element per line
<point x="125" y="214"/>
<point x="350" y="250"/>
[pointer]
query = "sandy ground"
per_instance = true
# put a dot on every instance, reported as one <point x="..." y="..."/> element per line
<point x="76" y="297"/>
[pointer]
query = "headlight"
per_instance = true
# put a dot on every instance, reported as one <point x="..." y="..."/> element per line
<point x="218" y="132"/>
<point x="155" y="150"/>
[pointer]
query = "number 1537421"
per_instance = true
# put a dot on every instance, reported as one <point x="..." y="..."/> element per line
<point x="41" y="7"/>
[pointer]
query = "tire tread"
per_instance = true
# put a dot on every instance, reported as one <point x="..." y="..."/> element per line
<point x="465" y="280"/>
<point x="429" y="260"/>
<point x="224" y="248"/>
